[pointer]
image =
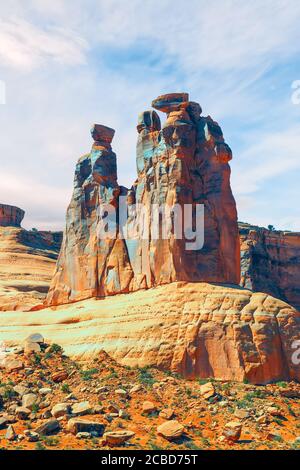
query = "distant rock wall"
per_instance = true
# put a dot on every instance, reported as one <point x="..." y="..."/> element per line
<point x="184" y="162"/>
<point x="270" y="262"/>
<point x="10" y="216"/>
<point x="27" y="262"/>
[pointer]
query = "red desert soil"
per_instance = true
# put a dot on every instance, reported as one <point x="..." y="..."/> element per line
<point x="118" y="398"/>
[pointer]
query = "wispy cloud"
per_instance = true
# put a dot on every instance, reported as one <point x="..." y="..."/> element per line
<point x="68" y="64"/>
<point x="25" y="46"/>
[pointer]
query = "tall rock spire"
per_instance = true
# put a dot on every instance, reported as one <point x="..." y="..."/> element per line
<point x="183" y="164"/>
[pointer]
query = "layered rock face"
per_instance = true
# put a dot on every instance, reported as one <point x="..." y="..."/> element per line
<point x="270" y="262"/>
<point x="195" y="329"/>
<point x="181" y="167"/>
<point x="27" y="263"/>
<point x="10" y="216"/>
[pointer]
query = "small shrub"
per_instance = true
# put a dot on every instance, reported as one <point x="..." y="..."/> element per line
<point x="88" y="374"/>
<point x="145" y="377"/>
<point x="65" y="388"/>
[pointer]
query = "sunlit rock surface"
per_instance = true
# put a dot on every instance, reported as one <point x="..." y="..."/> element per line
<point x="184" y="161"/>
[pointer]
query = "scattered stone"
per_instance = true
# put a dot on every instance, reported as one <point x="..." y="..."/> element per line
<point x="29" y="400"/>
<point x="22" y="412"/>
<point x="45" y="391"/>
<point x="98" y="410"/>
<point x="12" y="365"/>
<point x="30" y="348"/>
<point x="136" y="388"/>
<point x="20" y="389"/>
<point x="35" y="338"/>
<point x="289" y="393"/>
<point x="261" y="419"/>
<point x="10" y="433"/>
<point x="273" y="436"/>
<point x="117" y="438"/>
<point x="167" y="413"/>
<point x="232" y="431"/>
<point x="123" y="414"/>
<point x="170" y="430"/>
<point x="83" y="435"/>
<point x="59" y="410"/>
<point x="31" y="435"/>
<point x="76" y="426"/>
<point x="49" y="427"/>
<point x="60" y="376"/>
<point x="82" y="408"/>
<point x="273" y="411"/>
<point x="113" y="408"/>
<point x="149" y="407"/>
<point x="3" y="422"/>
<point x="121" y="392"/>
<point x="241" y="414"/>
<point x="207" y="390"/>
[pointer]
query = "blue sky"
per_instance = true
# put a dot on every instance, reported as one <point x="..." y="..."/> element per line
<point x="68" y="64"/>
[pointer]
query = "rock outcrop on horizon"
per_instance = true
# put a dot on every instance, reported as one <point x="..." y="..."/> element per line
<point x="270" y="262"/>
<point x="27" y="262"/>
<point x="184" y="162"/>
<point x="10" y="216"/>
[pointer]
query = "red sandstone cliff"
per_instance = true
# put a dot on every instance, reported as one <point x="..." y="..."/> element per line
<point x="184" y="162"/>
<point x="270" y="262"/>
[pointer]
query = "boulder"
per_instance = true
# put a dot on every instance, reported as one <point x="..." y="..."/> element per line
<point x="118" y="438"/>
<point x="30" y="348"/>
<point x="21" y="389"/>
<point x="31" y="435"/>
<point x="148" y="407"/>
<point x="22" y="412"/>
<point x="207" y="390"/>
<point x="82" y="408"/>
<point x="35" y="338"/>
<point x="76" y="426"/>
<point x="49" y="427"/>
<point x="60" y="409"/>
<point x="29" y="400"/>
<point x="59" y="376"/>
<point x="12" y="364"/>
<point x="10" y="433"/>
<point x="167" y="413"/>
<point x="232" y="431"/>
<point x="170" y="430"/>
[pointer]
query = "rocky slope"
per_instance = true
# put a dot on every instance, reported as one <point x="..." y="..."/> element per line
<point x="195" y="329"/>
<point x="270" y="262"/>
<point x="48" y="401"/>
<point x="183" y="163"/>
<point x="27" y="262"/>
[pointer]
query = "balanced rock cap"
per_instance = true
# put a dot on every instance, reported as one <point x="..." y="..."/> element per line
<point x="102" y="133"/>
<point x="10" y="216"/>
<point x="170" y="102"/>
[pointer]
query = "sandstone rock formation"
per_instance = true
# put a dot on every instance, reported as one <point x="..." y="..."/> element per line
<point x="27" y="262"/>
<point x="183" y="163"/>
<point x="195" y="329"/>
<point x="10" y="216"/>
<point x="270" y="262"/>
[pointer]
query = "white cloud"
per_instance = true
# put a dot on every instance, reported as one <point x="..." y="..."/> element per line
<point x="25" y="46"/>
<point x="44" y="205"/>
<point x="219" y="51"/>
<point x="272" y="155"/>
